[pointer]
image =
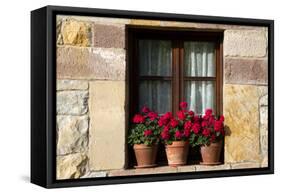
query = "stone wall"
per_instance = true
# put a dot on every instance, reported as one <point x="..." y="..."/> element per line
<point x="91" y="97"/>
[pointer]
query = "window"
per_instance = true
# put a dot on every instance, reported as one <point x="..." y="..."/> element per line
<point x="167" y="67"/>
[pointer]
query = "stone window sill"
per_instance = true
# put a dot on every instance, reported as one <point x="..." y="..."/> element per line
<point x="168" y="169"/>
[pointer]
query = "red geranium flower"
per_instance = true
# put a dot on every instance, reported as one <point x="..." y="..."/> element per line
<point x="167" y="116"/>
<point x="145" y="109"/>
<point x="174" y="123"/>
<point x="191" y="113"/>
<point x="187" y="125"/>
<point x="213" y="137"/>
<point x="204" y="124"/>
<point x="196" y="128"/>
<point x="166" y="129"/>
<point x="206" y="132"/>
<point x="165" y="135"/>
<point x="208" y="112"/>
<point x="152" y="116"/>
<point x="218" y="125"/>
<point x="147" y="132"/>
<point x="178" y="134"/>
<point x="222" y="118"/>
<point x="186" y="132"/>
<point x="183" y="105"/>
<point x="181" y="115"/>
<point x="138" y="118"/>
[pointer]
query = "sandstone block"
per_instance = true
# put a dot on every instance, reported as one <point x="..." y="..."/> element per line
<point x="246" y="71"/>
<point x="109" y="36"/>
<point x="243" y="165"/>
<point x="71" y="166"/>
<point x="91" y="63"/>
<point x="241" y="111"/>
<point x="72" y="135"/>
<point x="73" y="32"/>
<point x="245" y="43"/>
<point x="72" y="102"/>
<point x="72" y="85"/>
<point x="107" y="129"/>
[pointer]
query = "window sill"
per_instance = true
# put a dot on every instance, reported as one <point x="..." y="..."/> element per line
<point x="168" y="169"/>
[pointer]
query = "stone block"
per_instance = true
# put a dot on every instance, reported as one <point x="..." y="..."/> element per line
<point x="241" y="111"/>
<point x="71" y="166"/>
<point x="246" y="71"/>
<point x="73" y="32"/>
<point x="95" y="174"/>
<point x="212" y="168"/>
<point x="98" y="20"/>
<point x="186" y="168"/>
<point x="107" y="128"/>
<point x="264" y="129"/>
<point x="91" y="63"/>
<point x="72" y="102"/>
<point x="145" y="22"/>
<point x="244" y="165"/>
<point x="72" y="134"/>
<point x="109" y="36"/>
<point x="245" y="43"/>
<point x="72" y="85"/>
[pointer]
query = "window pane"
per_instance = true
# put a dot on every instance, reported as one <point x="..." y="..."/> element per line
<point x="156" y="95"/>
<point x="155" y="57"/>
<point x="200" y="95"/>
<point x="199" y="59"/>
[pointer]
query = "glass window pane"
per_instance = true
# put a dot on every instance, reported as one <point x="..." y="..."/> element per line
<point x="199" y="59"/>
<point x="156" y="95"/>
<point x="200" y="95"/>
<point x="155" y="57"/>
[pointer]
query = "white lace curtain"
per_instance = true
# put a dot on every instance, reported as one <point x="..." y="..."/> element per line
<point x="155" y="59"/>
<point x="199" y="61"/>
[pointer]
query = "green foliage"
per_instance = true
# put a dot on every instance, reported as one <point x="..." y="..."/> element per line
<point x="137" y="133"/>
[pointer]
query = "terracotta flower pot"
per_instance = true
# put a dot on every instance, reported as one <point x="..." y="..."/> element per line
<point x="177" y="153"/>
<point x="211" y="153"/>
<point x="145" y="155"/>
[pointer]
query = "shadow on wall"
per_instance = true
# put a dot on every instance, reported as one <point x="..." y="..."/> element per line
<point x="227" y="130"/>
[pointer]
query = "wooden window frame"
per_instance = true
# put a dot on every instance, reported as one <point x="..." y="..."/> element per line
<point x="177" y="78"/>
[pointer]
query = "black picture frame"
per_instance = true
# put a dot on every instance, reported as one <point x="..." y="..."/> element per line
<point x="43" y="96"/>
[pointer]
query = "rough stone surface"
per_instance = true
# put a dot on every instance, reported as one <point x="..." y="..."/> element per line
<point x="72" y="102"/>
<point x="99" y="20"/>
<point x="71" y="166"/>
<point x="107" y="129"/>
<point x="95" y="174"/>
<point x="245" y="43"/>
<point x="246" y="71"/>
<point x="245" y="165"/>
<point x="72" y="134"/>
<point x="264" y="129"/>
<point x="144" y="171"/>
<point x="91" y="63"/>
<point x="187" y="168"/>
<point x="145" y="22"/>
<point x="109" y="36"/>
<point x="206" y="25"/>
<point x="264" y="100"/>
<point x="211" y="168"/>
<point x="72" y="85"/>
<point x="73" y="32"/>
<point x="241" y="111"/>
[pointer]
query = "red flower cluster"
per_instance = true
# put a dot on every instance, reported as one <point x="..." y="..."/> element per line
<point x="177" y="128"/>
<point x="212" y="127"/>
<point x="147" y="132"/>
<point x="138" y="118"/>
